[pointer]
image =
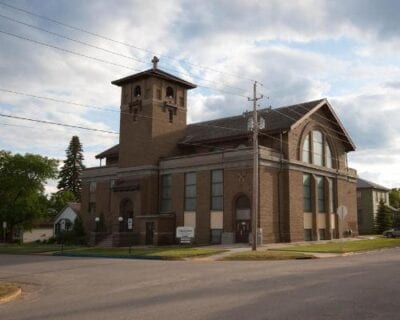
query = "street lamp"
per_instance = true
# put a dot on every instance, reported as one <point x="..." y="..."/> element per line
<point x="97" y="220"/>
<point x="4" y="231"/>
<point x="120" y="219"/>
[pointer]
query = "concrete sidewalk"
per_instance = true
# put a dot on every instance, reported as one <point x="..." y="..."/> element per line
<point x="242" y="247"/>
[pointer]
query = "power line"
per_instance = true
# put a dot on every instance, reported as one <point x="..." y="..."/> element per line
<point x="56" y="123"/>
<point x="100" y="60"/>
<point x="117" y="53"/>
<point x="64" y="50"/>
<point x="241" y="131"/>
<point x="121" y="42"/>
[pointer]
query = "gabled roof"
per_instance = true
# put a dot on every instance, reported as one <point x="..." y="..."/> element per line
<point x="154" y="72"/>
<point x="108" y="152"/>
<point x="365" y="184"/>
<point x="278" y="119"/>
<point x="75" y="206"/>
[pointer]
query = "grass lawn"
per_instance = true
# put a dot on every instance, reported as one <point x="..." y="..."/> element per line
<point x="346" y="246"/>
<point x="7" y="289"/>
<point x="266" y="255"/>
<point x="164" y="253"/>
<point x="31" y="248"/>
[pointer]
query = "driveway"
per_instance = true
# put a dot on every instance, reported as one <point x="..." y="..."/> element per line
<point x="364" y="286"/>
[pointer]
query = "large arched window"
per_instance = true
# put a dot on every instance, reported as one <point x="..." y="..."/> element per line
<point x="328" y="156"/>
<point x="306" y="150"/>
<point x="316" y="150"/>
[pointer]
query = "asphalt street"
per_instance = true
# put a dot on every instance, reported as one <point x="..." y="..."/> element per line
<point x="362" y="286"/>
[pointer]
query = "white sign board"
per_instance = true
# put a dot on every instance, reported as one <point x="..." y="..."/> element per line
<point x="130" y="223"/>
<point x="4" y="224"/>
<point x="185" y="234"/>
<point x="342" y="212"/>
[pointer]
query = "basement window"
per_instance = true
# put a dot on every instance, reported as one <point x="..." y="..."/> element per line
<point x="307" y="234"/>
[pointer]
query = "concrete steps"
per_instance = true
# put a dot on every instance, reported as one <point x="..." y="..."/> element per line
<point x="107" y="242"/>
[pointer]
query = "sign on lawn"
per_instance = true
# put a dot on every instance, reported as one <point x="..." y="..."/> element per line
<point x="185" y="234"/>
<point x="130" y="223"/>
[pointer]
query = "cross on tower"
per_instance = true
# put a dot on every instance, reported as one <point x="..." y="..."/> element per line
<point x="155" y="61"/>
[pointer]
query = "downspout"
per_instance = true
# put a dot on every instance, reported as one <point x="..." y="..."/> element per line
<point x="279" y="186"/>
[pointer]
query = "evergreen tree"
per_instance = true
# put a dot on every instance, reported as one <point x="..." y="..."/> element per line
<point x="394" y="198"/>
<point x="70" y="174"/>
<point x="383" y="219"/>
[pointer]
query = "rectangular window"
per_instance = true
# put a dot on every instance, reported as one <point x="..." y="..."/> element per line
<point x="166" y="193"/>
<point x="331" y="196"/>
<point x="321" y="193"/>
<point x="328" y="156"/>
<point x="217" y="189"/>
<point x="307" y="234"/>
<point x="321" y="233"/>
<point x="190" y="192"/>
<point x="92" y="186"/>
<point x="307" y="193"/>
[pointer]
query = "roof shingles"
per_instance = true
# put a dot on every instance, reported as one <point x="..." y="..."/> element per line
<point x="278" y="119"/>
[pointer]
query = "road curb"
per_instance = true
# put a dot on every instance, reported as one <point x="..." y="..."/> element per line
<point x="11" y="296"/>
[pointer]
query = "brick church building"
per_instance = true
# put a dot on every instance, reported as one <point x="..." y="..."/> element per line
<point x="165" y="173"/>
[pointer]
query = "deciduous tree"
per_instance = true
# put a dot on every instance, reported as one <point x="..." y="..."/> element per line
<point x="22" y="180"/>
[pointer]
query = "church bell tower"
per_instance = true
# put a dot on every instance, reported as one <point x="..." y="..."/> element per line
<point x="153" y="115"/>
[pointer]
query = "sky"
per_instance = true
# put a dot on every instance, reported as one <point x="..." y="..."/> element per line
<point x="346" y="51"/>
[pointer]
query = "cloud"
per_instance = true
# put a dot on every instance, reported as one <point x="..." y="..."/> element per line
<point x="299" y="51"/>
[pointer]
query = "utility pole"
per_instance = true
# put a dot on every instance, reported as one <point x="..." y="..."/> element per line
<point x="254" y="218"/>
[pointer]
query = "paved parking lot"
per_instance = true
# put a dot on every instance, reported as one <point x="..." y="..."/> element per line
<point x="364" y="286"/>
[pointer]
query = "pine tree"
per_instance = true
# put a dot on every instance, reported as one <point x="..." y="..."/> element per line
<point x="383" y="219"/>
<point x="70" y="174"/>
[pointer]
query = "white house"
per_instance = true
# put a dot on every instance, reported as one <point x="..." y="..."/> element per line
<point x="65" y="219"/>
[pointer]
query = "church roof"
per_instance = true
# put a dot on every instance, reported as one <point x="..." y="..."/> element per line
<point x="365" y="184"/>
<point x="276" y="120"/>
<point x="154" y="72"/>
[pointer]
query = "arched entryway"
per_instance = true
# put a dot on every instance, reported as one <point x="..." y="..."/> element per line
<point x="126" y="212"/>
<point x="243" y="218"/>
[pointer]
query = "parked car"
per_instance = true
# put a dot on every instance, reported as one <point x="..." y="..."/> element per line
<point x="392" y="233"/>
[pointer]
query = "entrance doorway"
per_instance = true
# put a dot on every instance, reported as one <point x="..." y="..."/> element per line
<point x="242" y="231"/>
<point x="243" y="219"/>
<point x="126" y="212"/>
<point x="149" y="233"/>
